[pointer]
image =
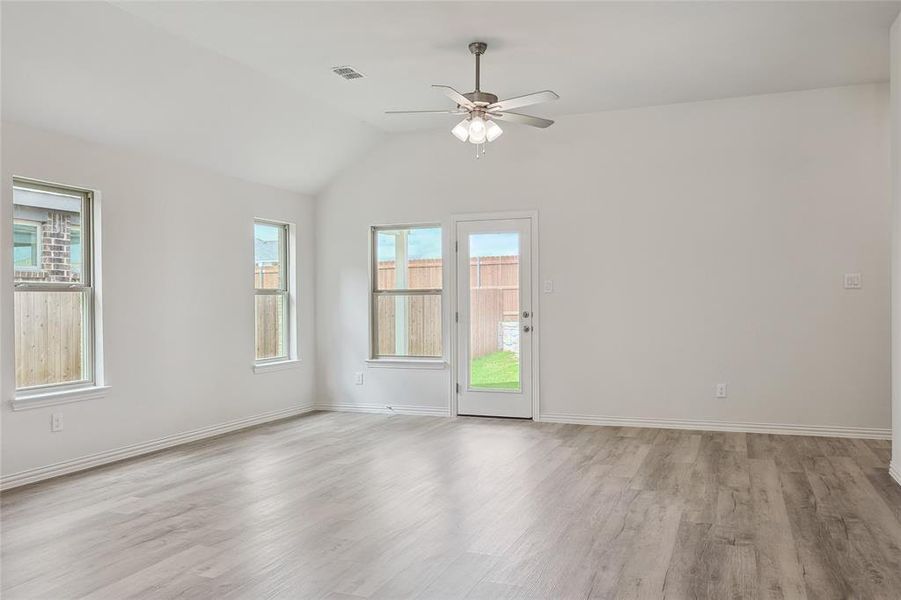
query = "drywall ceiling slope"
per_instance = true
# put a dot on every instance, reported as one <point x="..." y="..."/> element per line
<point x="245" y="88"/>
<point x="97" y="72"/>
<point x="597" y="55"/>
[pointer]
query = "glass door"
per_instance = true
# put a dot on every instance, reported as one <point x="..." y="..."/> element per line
<point x="494" y="318"/>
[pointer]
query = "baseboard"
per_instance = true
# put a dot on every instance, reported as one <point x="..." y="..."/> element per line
<point x="109" y="456"/>
<point x="776" y="428"/>
<point x="895" y="471"/>
<point x="428" y="411"/>
<point x="117" y="454"/>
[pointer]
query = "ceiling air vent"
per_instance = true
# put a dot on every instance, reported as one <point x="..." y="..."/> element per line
<point x="347" y="72"/>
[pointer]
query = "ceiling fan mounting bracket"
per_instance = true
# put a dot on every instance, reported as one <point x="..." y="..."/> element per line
<point x="478" y="48"/>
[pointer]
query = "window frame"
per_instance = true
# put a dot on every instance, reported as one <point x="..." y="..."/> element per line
<point x="91" y="375"/>
<point x="287" y="291"/>
<point x="374" y="293"/>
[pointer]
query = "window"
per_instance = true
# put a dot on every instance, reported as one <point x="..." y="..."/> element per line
<point x="26" y="244"/>
<point x="54" y="305"/>
<point x="272" y="291"/>
<point x="407" y="280"/>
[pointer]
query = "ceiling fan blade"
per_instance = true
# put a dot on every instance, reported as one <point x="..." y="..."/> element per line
<point x="453" y="111"/>
<point x="521" y="119"/>
<point x="520" y="101"/>
<point x="455" y="96"/>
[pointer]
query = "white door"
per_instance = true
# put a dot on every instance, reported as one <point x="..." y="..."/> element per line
<point x="494" y="318"/>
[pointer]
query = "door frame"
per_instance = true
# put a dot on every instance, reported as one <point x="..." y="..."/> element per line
<point x="532" y="215"/>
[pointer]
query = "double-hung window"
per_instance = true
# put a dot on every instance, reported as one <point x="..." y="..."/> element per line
<point x="54" y="293"/>
<point x="406" y="290"/>
<point x="272" y="291"/>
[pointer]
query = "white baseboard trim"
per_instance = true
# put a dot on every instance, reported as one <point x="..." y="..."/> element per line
<point x="775" y="428"/>
<point x="895" y="471"/>
<point x="132" y="450"/>
<point x="428" y="411"/>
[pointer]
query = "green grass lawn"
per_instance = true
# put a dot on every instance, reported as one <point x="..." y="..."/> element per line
<point x="496" y="371"/>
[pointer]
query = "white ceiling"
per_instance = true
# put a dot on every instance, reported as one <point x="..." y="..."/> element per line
<point x="246" y="87"/>
<point x="99" y="73"/>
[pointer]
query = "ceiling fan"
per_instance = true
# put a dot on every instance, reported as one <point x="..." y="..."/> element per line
<point x="482" y="109"/>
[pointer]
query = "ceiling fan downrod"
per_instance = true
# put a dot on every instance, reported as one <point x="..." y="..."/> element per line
<point x="478" y="48"/>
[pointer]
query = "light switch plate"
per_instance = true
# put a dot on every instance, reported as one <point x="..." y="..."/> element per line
<point x="358" y="378"/>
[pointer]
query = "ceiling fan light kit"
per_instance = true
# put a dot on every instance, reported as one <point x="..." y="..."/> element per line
<point x="482" y="109"/>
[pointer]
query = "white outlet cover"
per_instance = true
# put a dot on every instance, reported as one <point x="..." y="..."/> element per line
<point x="358" y="378"/>
<point x="852" y="281"/>
<point x="722" y="390"/>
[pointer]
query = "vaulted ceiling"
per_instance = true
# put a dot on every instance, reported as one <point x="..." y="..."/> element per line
<point x="246" y="88"/>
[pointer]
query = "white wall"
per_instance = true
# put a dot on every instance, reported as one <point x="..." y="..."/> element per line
<point x="688" y="244"/>
<point x="177" y="295"/>
<point x="896" y="247"/>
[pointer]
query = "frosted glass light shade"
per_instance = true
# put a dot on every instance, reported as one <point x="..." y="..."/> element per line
<point x="494" y="131"/>
<point x="461" y="130"/>
<point x="477" y="130"/>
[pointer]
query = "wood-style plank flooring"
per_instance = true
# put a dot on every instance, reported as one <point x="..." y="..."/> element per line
<point x="340" y="505"/>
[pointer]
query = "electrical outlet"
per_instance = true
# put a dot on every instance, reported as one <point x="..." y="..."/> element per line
<point x="56" y="422"/>
<point x="358" y="378"/>
<point x="722" y="390"/>
<point x="852" y="281"/>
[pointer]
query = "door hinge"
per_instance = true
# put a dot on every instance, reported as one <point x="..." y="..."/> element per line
<point x="456" y="317"/>
<point x="458" y="388"/>
<point x="456" y="246"/>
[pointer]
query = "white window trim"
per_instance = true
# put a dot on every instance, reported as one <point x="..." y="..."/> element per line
<point x="276" y="365"/>
<point x="405" y="362"/>
<point x="292" y="359"/>
<point x="29" y="400"/>
<point x="399" y="362"/>
<point x="96" y="387"/>
<point x="40" y="245"/>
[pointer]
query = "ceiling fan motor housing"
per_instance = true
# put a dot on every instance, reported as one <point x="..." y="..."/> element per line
<point x="481" y="98"/>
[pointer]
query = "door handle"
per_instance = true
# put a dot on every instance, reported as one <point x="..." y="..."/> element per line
<point x="525" y="314"/>
<point x="526" y="328"/>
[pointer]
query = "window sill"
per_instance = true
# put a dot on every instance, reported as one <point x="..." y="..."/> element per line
<point x="27" y="401"/>
<point x="406" y="363"/>
<point x="280" y="365"/>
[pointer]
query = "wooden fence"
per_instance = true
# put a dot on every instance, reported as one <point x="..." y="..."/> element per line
<point x="48" y="337"/>
<point x="267" y="276"/>
<point x="270" y="314"/>
<point x="494" y="297"/>
<point x="423" y="319"/>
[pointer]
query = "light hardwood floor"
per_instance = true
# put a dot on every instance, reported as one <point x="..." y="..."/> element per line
<point x="339" y="505"/>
